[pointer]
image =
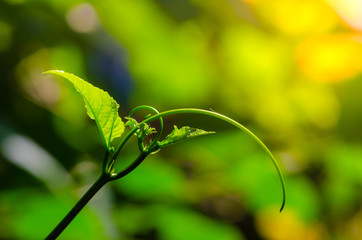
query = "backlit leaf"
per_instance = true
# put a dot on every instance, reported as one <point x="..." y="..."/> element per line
<point x="100" y="106"/>
<point x="182" y="134"/>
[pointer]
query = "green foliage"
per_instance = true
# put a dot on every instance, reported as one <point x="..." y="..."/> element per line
<point x="144" y="129"/>
<point x="104" y="110"/>
<point x="177" y="223"/>
<point x="182" y="134"/>
<point x="157" y="180"/>
<point x="276" y="78"/>
<point x="177" y="135"/>
<point x="44" y="209"/>
<point x="100" y="106"/>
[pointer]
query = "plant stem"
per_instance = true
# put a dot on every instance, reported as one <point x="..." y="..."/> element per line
<point x="102" y="180"/>
<point x="132" y="166"/>
<point x="222" y="117"/>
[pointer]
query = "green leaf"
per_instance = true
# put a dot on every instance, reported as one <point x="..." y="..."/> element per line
<point x="100" y="106"/>
<point x="145" y="129"/>
<point x="131" y="122"/>
<point x="182" y="134"/>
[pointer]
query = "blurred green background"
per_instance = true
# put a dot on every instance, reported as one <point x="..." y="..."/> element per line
<point x="290" y="70"/>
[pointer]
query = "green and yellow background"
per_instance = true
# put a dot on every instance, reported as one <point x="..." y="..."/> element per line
<point x="289" y="70"/>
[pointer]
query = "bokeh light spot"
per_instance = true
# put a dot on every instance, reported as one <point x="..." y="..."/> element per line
<point x="5" y="36"/>
<point x="330" y="58"/>
<point x="349" y="10"/>
<point x="83" y="18"/>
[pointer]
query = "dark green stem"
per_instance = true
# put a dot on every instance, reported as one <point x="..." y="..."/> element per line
<point x="105" y="161"/>
<point x="103" y="179"/>
<point x="132" y="166"/>
<point x="78" y="207"/>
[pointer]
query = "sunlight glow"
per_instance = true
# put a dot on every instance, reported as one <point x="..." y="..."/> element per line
<point x="349" y="10"/>
<point x="302" y="17"/>
<point x="330" y="58"/>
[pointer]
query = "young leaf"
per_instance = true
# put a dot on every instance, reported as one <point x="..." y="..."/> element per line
<point x="182" y="134"/>
<point x="131" y="122"/>
<point x="100" y="106"/>
<point x="144" y="130"/>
